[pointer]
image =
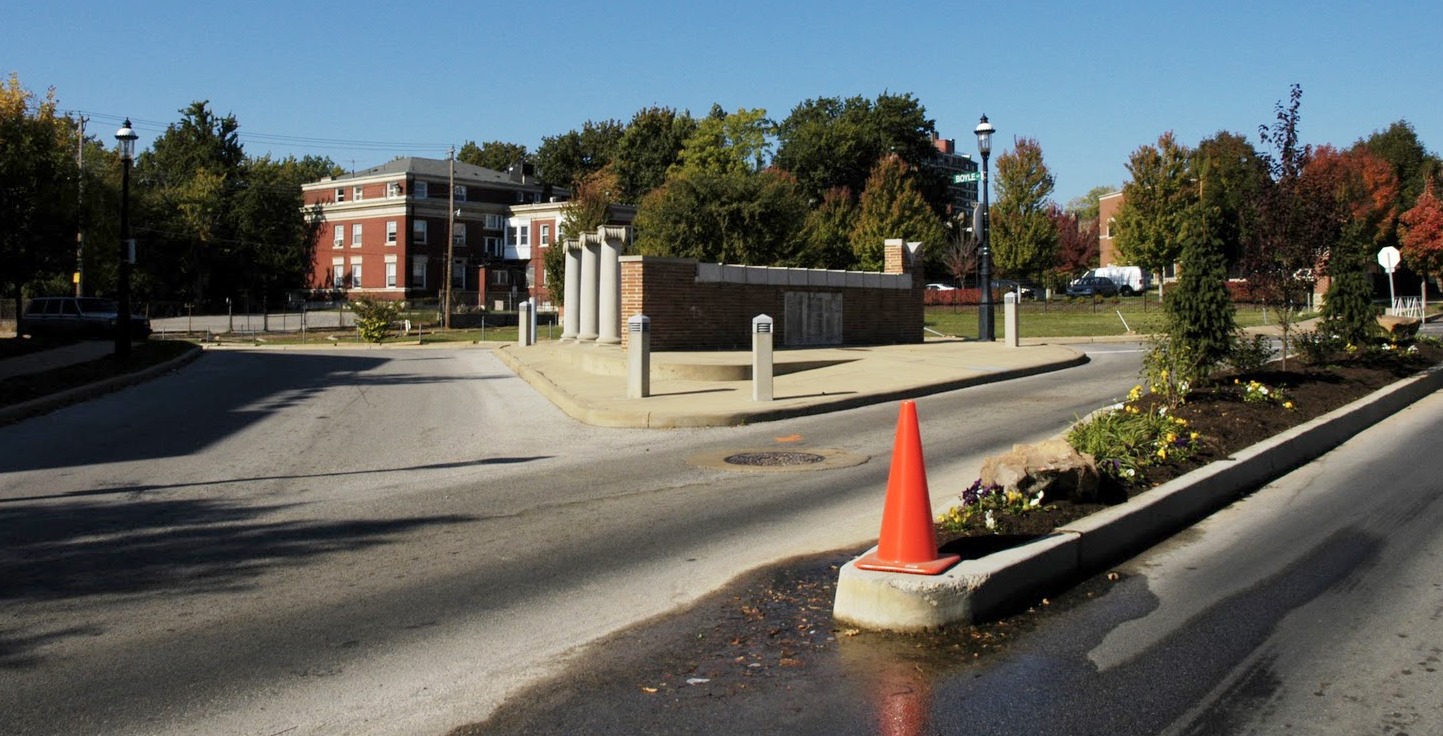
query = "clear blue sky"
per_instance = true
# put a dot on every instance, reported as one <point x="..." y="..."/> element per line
<point x="1090" y="81"/>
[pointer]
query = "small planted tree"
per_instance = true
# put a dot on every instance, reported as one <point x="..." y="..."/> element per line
<point x="1348" y="306"/>
<point x="374" y="318"/>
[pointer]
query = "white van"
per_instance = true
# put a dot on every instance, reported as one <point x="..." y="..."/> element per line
<point x="1129" y="279"/>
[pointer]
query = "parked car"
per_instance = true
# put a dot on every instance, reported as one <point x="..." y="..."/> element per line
<point x="1023" y="291"/>
<point x="69" y="316"/>
<point x="940" y="287"/>
<point x="1129" y="279"/>
<point x="1092" y="286"/>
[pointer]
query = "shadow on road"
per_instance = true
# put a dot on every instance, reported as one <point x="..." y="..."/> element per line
<point x="219" y="395"/>
<point x="56" y="553"/>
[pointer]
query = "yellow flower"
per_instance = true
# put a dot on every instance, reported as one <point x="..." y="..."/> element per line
<point x="1287" y="404"/>
<point x="1193" y="436"/>
<point x="1162" y="452"/>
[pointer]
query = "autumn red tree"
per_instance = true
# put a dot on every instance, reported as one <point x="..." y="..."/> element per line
<point x="1364" y="185"/>
<point x="1422" y="234"/>
<point x="1077" y="246"/>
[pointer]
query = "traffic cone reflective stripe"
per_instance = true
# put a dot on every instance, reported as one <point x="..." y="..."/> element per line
<point x="908" y="542"/>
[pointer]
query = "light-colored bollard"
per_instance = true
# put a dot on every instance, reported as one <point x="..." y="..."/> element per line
<point x="525" y="326"/>
<point x="762" y="358"/>
<point x="638" y="357"/>
<point x="1009" y="319"/>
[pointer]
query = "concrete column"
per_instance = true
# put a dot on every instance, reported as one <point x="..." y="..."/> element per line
<point x="762" y="367"/>
<point x="571" y="293"/>
<point x="1009" y="319"/>
<point x="638" y="357"/>
<point x="590" y="271"/>
<point x="608" y="306"/>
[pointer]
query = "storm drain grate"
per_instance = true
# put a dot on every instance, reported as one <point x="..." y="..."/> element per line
<point x="772" y="459"/>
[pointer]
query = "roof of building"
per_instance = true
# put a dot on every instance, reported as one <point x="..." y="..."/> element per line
<point x="437" y="168"/>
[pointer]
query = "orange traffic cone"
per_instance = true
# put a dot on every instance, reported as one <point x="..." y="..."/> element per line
<point x="908" y="542"/>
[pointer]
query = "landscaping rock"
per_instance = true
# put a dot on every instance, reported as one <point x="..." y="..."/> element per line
<point x="1052" y="466"/>
<point x="1399" y="327"/>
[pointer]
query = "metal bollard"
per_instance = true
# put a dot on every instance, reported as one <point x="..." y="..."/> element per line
<point x="1009" y="319"/>
<point x="762" y="358"/>
<point x="638" y="360"/>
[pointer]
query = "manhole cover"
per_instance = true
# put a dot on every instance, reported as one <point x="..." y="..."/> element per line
<point x="762" y="460"/>
<point x="772" y="459"/>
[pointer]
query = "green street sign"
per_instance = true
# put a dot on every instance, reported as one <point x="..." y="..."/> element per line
<point x="964" y="178"/>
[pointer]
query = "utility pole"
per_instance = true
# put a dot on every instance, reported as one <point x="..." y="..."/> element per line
<point x="80" y="209"/>
<point x="450" y="241"/>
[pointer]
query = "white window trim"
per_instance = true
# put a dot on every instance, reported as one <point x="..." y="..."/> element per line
<point x="420" y="190"/>
<point x="418" y="236"/>
<point x="391" y="228"/>
<point x="339" y="241"/>
<point x="356" y="235"/>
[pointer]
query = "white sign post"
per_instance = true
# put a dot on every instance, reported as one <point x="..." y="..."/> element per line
<point x="1388" y="259"/>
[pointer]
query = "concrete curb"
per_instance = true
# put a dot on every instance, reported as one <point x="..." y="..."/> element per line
<point x="45" y="404"/>
<point x="990" y="586"/>
<point x="642" y="417"/>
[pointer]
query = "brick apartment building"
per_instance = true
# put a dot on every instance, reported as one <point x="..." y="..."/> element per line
<point x="383" y="231"/>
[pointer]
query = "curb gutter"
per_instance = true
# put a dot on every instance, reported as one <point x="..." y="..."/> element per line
<point x="992" y="585"/>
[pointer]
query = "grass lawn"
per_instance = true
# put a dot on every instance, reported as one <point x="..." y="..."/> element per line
<point x="1076" y="319"/>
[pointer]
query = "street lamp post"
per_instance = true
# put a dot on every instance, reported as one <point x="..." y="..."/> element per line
<point x="986" y="327"/>
<point x="126" y="136"/>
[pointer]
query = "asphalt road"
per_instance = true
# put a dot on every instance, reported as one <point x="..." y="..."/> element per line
<point x="1312" y="607"/>
<point x="392" y="541"/>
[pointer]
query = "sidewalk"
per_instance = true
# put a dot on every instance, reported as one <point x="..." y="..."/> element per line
<point x="45" y="360"/>
<point x="713" y="389"/>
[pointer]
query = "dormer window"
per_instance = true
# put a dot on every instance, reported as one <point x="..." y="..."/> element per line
<point x="393" y="189"/>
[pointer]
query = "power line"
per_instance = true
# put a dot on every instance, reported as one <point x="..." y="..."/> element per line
<point x="293" y="141"/>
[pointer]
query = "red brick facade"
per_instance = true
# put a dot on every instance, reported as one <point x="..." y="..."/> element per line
<point x="691" y="313"/>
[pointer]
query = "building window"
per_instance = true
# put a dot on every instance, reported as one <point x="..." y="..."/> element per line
<point x="338" y="273"/>
<point x="393" y="189"/>
<point x="390" y="274"/>
<point x="356" y="274"/>
<point x="418" y="272"/>
<point x="493" y="247"/>
<point x="356" y="235"/>
<point x="340" y="194"/>
<point x="390" y="232"/>
<point x="541" y="269"/>
<point x="493" y="222"/>
<point x="420" y="190"/>
<point x="340" y="239"/>
<point x="460" y="192"/>
<point x="358" y="192"/>
<point x="458" y="236"/>
<point x="546" y="235"/>
<point x="458" y="273"/>
<point x="418" y="231"/>
<point x="500" y="277"/>
<point x="520" y="235"/>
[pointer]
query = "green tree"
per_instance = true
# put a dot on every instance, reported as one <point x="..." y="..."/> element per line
<point x="1412" y="164"/>
<point x="374" y="318"/>
<point x="826" y="237"/>
<point x="891" y="207"/>
<point x="185" y="185"/>
<point x="494" y="155"/>
<point x="564" y="159"/>
<point x="38" y="175"/>
<point x="829" y="142"/>
<point x="275" y="235"/>
<point x="1088" y="207"/>
<point x="649" y="147"/>
<point x="1236" y="177"/>
<point x="726" y="143"/>
<point x="1348" y="305"/>
<point x="723" y="217"/>
<point x="1024" y="237"/>
<point x="1158" y="204"/>
<point x="1201" y="323"/>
